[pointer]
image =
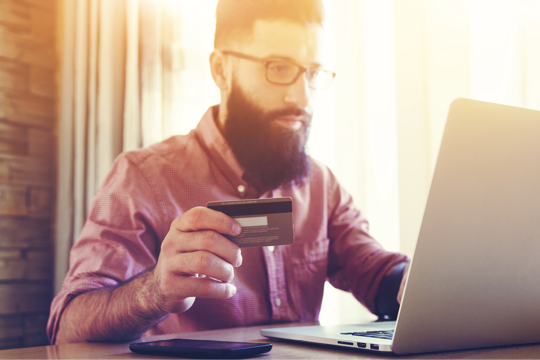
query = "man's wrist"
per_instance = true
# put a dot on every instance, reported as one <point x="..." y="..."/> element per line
<point x="150" y="302"/>
<point x="386" y="303"/>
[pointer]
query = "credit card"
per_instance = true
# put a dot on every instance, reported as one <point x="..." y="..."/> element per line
<point x="265" y="222"/>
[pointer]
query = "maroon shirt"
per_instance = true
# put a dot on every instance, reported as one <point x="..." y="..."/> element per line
<point x="148" y="188"/>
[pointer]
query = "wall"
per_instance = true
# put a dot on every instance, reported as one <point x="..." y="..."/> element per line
<point x="27" y="119"/>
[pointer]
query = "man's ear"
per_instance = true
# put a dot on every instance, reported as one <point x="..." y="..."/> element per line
<point x="218" y="68"/>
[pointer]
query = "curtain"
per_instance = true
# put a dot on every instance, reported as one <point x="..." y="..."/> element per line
<point x="400" y="63"/>
<point x="102" y="109"/>
<point x="132" y="74"/>
<point x="90" y="111"/>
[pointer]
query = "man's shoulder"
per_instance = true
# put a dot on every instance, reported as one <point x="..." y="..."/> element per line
<point x="166" y="151"/>
<point x="321" y="171"/>
<point x="320" y="180"/>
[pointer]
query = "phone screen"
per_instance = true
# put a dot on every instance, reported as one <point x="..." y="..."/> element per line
<point x="201" y="344"/>
<point x="200" y="348"/>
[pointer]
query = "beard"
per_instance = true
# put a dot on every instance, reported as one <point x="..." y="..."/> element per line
<point x="271" y="154"/>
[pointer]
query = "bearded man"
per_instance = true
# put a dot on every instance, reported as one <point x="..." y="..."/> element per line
<point x="137" y="266"/>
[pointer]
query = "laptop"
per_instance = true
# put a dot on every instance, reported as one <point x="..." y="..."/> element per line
<point x="475" y="276"/>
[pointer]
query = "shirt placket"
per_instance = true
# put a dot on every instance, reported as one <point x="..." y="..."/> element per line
<point x="276" y="284"/>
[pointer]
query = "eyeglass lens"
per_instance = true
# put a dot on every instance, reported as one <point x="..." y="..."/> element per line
<point x="283" y="72"/>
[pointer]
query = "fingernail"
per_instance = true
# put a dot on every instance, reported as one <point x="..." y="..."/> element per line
<point x="237" y="229"/>
<point x="239" y="262"/>
<point x="233" y="289"/>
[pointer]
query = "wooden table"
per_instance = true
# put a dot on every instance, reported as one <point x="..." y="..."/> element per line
<point x="281" y="349"/>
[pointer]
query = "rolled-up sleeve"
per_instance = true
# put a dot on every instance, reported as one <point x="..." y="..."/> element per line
<point x="120" y="239"/>
<point x="356" y="262"/>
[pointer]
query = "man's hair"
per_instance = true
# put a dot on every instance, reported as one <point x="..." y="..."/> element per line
<point x="235" y="18"/>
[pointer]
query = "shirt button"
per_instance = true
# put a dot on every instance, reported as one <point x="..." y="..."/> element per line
<point x="270" y="248"/>
<point x="241" y="188"/>
<point x="278" y="302"/>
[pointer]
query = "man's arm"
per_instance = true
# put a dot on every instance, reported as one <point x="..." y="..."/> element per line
<point x="112" y="314"/>
<point x="356" y="261"/>
<point x="193" y="246"/>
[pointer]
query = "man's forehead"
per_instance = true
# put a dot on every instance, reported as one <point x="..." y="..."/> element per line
<point x="286" y="39"/>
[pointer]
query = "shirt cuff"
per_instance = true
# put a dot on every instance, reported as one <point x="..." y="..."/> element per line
<point x="386" y="300"/>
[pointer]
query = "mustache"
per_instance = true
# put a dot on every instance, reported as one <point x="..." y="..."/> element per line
<point x="288" y="111"/>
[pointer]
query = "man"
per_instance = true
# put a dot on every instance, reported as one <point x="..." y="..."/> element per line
<point x="152" y="258"/>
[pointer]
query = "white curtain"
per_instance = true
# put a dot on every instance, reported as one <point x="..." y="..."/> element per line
<point x="400" y="63"/>
<point x="133" y="72"/>
<point x="90" y="111"/>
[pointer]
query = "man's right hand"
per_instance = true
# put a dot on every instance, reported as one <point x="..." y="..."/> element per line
<point x="196" y="260"/>
<point x="194" y="246"/>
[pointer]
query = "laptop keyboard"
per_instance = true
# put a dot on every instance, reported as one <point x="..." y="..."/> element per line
<point x="382" y="334"/>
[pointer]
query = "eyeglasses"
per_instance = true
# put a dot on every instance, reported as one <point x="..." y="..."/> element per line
<point x="284" y="72"/>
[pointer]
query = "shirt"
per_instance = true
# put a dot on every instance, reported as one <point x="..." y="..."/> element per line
<point x="148" y="188"/>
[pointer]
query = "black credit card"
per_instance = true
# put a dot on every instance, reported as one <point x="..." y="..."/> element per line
<point x="265" y="222"/>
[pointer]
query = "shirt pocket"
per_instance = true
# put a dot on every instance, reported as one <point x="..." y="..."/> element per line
<point x="306" y="253"/>
<point x="309" y="260"/>
<point x="308" y="263"/>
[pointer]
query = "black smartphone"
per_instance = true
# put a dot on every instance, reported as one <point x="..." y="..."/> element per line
<point x="200" y="349"/>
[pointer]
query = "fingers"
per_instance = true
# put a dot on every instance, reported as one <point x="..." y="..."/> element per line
<point x="202" y="262"/>
<point x="400" y="293"/>
<point x="403" y="283"/>
<point x="201" y="228"/>
<point x="210" y="241"/>
<point x="206" y="288"/>
<point x="201" y="218"/>
<point x="196" y="259"/>
<point x="179" y="297"/>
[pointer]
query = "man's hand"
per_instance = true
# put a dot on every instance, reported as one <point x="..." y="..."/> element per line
<point x="403" y="283"/>
<point x="194" y="246"/>
<point x="196" y="260"/>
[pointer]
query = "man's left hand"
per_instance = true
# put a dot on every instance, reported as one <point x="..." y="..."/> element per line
<point x="403" y="282"/>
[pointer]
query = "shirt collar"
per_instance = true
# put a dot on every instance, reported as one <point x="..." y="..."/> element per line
<point x="222" y="155"/>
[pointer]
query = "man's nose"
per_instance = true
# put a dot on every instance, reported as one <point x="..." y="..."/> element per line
<point x="298" y="93"/>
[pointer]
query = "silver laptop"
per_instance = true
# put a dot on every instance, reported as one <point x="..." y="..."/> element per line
<point x="475" y="276"/>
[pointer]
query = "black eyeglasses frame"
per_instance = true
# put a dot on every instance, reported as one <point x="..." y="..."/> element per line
<point x="266" y="62"/>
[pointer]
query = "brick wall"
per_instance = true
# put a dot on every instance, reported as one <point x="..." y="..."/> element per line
<point x="27" y="119"/>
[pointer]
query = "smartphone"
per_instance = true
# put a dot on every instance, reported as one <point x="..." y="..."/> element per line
<point x="200" y="349"/>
